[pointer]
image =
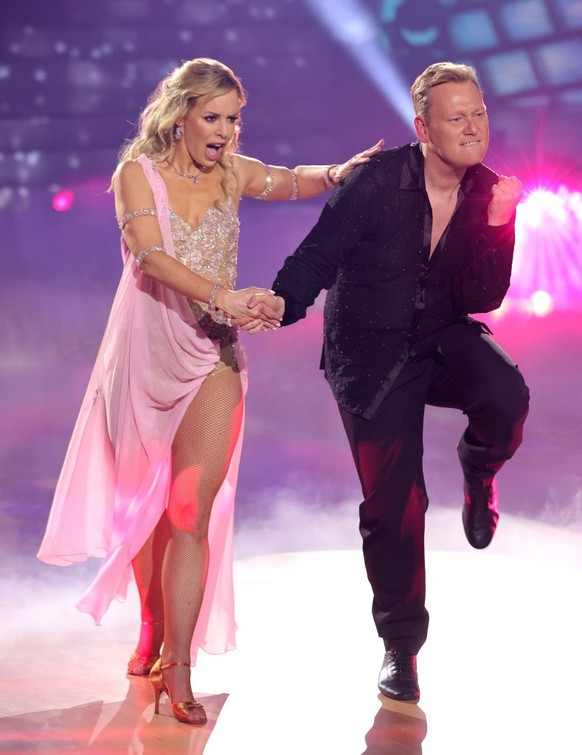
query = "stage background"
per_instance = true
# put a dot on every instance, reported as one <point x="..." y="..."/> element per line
<point x="324" y="79"/>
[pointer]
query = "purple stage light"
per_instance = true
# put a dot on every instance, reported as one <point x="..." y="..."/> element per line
<point x="63" y="200"/>
<point x="547" y="270"/>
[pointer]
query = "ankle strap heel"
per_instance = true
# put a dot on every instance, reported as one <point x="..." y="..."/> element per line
<point x="190" y="712"/>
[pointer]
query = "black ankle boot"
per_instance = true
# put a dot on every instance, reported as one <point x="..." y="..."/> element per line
<point x="480" y="512"/>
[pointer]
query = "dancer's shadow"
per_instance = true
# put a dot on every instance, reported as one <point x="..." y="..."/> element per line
<point x="398" y="729"/>
<point x="129" y="726"/>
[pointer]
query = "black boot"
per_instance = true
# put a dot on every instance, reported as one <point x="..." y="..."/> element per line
<point x="398" y="677"/>
<point x="480" y="512"/>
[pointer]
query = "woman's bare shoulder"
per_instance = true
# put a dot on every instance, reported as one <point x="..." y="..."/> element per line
<point x="128" y="170"/>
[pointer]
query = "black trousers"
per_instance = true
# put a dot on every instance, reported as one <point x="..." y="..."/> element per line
<point x="459" y="367"/>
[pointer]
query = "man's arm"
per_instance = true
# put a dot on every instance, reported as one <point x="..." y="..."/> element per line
<point x="314" y="264"/>
<point x="483" y="282"/>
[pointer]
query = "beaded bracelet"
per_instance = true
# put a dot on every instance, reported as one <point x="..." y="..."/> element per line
<point x="270" y="180"/>
<point x="216" y="289"/>
<point x="294" y="186"/>
<point x="327" y="179"/>
<point x="123" y="221"/>
<point x="140" y="257"/>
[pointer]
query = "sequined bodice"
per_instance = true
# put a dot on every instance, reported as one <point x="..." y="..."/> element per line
<point x="210" y="250"/>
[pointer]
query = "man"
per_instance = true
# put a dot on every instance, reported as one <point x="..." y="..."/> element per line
<point x="407" y="246"/>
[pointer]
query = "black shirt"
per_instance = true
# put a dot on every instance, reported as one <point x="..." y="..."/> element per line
<point x="370" y="248"/>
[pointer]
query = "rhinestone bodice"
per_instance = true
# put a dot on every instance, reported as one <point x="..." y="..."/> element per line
<point x="210" y="250"/>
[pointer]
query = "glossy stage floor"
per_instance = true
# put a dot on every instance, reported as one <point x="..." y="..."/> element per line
<point x="500" y="673"/>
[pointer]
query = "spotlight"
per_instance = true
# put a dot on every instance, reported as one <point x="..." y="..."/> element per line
<point x="360" y="33"/>
<point x="547" y="266"/>
<point x="542" y="205"/>
<point x="541" y="303"/>
<point x="63" y="200"/>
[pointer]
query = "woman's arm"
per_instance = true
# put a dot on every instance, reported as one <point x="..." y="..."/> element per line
<point x="143" y="237"/>
<point x="274" y="182"/>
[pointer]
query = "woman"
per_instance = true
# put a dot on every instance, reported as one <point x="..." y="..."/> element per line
<point x="149" y="478"/>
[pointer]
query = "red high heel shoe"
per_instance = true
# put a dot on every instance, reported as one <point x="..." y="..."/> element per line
<point x="141" y="665"/>
<point x="187" y="712"/>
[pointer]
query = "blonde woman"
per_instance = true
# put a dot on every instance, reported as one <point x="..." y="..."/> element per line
<point x="149" y="479"/>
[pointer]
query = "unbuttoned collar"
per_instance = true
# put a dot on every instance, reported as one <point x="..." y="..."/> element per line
<point x="412" y="175"/>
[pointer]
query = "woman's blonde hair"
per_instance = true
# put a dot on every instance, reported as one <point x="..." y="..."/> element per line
<point x="171" y="101"/>
<point x="435" y="74"/>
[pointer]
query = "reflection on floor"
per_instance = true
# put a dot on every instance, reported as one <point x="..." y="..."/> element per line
<point x="500" y="673"/>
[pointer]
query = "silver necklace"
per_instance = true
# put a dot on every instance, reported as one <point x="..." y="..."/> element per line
<point x="195" y="177"/>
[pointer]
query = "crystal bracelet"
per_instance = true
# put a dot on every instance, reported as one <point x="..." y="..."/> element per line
<point x="216" y="289"/>
<point x="270" y="180"/>
<point x="140" y="257"/>
<point x="135" y="214"/>
<point x="294" y="186"/>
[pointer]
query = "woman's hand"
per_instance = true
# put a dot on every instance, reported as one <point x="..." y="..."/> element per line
<point x="266" y="312"/>
<point x="265" y="306"/>
<point x="237" y="305"/>
<point x="255" y="326"/>
<point x="337" y="173"/>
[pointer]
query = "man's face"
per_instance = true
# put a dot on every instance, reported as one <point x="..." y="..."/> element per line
<point x="455" y="128"/>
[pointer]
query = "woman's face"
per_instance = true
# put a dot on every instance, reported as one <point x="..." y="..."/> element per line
<point x="209" y="127"/>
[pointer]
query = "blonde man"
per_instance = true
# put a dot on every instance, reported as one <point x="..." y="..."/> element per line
<point x="408" y="246"/>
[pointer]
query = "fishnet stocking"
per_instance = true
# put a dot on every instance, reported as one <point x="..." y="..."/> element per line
<point x="201" y="454"/>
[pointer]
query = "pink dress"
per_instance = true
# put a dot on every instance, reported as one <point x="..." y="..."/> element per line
<point x="114" y="483"/>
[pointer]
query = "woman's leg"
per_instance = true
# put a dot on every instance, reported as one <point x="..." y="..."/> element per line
<point x="201" y="455"/>
<point x="147" y="569"/>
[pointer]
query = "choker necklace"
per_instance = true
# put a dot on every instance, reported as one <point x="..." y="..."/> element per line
<point x="195" y="177"/>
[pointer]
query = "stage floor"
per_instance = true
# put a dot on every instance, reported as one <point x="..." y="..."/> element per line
<point x="501" y="671"/>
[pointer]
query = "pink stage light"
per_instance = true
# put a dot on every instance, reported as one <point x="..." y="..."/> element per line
<point x="547" y="269"/>
<point x="542" y="205"/>
<point x="541" y="303"/>
<point x="63" y="200"/>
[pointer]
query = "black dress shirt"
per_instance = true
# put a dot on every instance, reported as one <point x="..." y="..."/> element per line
<point x="370" y="248"/>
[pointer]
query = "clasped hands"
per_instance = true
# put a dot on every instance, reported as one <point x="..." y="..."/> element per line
<point x="252" y="309"/>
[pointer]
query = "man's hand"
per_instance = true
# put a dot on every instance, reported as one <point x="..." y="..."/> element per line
<point x="265" y="312"/>
<point x="505" y="196"/>
<point x="236" y="304"/>
<point x="267" y="305"/>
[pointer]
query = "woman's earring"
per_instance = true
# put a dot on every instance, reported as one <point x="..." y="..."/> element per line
<point x="177" y="132"/>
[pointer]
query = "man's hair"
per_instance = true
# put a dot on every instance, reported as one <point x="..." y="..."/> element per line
<point x="435" y="74"/>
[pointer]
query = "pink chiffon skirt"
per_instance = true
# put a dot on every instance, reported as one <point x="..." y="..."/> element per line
<point x="114" y="483"/>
